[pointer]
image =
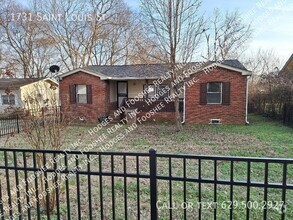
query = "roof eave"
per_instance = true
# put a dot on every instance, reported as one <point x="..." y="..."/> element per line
<point x="10" y="87"/>
<point x="102" y="76"/>
<point x="286" y="64"/>
<point x="128" y="78"/>
<point x="243" y="72"/>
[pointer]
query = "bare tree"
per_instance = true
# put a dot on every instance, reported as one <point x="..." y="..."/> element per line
<point x="269" y="91"/>
<point x="143" y="48"/>
<point x="261" y="62"/>
<point x="116" y="37"/>
<point x="44" y="126"/>
<point x="177" y="26"/>
<point x="82" y="30"/>
<point x="226" y="35"/>
<point x="29" y="48"/>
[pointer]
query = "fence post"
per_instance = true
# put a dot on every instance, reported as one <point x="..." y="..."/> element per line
<point x="153" y="184"/>
<point x="17" y="123"/>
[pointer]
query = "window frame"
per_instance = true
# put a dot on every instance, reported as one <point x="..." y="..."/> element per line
<point x="167" y="94"/>
<point x="8" y="98"/>
<point x="77" y="94"/>
<point x="221" y="94"/>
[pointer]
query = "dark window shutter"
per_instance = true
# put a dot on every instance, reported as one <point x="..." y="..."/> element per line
<point x="72" y="94"/>
<point x="89" y="94"/>
<point x="226" y="93"/>
<point x="203" y="94"/>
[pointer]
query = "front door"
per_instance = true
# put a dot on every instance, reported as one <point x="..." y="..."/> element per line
<point x="122" y="92"/>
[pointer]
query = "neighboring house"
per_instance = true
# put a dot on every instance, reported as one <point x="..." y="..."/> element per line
<point x="288" y="68"/>
<point x="16" y="91"/>
<point x="218" y="92"/>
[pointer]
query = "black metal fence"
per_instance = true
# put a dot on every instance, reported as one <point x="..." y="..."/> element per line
<point x="114" y="185"/>
<point x="13" y="123"/>
<point x="9" y="125"/>
<point x="279" y="111"/>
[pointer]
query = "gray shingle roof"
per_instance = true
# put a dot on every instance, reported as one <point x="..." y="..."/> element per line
<point x="137" y="71"/>
<point x="146" y="71"/>
<point x="16" y="83"/>
<point x="235" y="64"/>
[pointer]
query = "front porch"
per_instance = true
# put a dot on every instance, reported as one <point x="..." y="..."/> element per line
<point x="146" y="105"/>
<point x="134" y="89"/>
<point x="130" y="95"/>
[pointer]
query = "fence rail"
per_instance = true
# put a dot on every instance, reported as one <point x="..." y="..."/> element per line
<point x="9" y="125"/>
<point x="282" y="112"/>
<point x="125" y="185"/>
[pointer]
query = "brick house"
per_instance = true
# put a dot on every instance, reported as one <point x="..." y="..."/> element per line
<point x="210" y="93"/>
<point x="287" y="69"/>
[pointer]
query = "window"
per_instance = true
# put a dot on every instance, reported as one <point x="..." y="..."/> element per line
<point x="161" y="91"/>
<point x="214" y="93"/>
<point x="81" y="94"/>
<point x="8" y="99"/>
<point x="150" y="91"/>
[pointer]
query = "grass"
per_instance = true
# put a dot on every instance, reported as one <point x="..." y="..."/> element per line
<point x="262" y="138"/>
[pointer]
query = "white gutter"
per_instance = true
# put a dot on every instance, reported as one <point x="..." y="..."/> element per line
<point x="246" y="111"/>
<point x="127" y="78"/>
<point x="183" y="119"/>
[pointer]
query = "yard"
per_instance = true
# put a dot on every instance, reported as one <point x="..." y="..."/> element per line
<point x="263" y="138"/>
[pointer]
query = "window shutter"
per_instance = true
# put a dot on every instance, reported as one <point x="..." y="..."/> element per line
<point x="203" y="94"/>
<point x="89" y="94"/>
<point x="72" y="94"/>
<point x="226" y="93"/>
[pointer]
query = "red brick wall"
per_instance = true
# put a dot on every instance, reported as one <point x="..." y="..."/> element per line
<point x="100" y="96"/>
<point x="159" y="117"/>
<point x="229" y="114"/>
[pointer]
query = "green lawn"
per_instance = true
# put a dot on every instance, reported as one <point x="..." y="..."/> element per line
<point x="262" y="138"/>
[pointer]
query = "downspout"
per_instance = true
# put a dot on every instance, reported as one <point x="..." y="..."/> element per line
<point x="246" y="111"/>
<point x="183" y="117"/>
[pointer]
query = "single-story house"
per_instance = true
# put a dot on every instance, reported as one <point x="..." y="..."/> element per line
<point x="15" y="92"/>
<point x="212" y="92"/>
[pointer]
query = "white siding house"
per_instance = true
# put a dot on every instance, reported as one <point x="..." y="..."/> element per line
<point x="15" y="91"/>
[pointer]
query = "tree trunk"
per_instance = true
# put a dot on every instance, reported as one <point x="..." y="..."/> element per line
<point x="177" y="112"/>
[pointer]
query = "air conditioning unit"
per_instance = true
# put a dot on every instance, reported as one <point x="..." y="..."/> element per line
<point x="215" y="121"/>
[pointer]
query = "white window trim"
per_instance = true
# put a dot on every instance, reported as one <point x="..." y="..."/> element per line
<point x="8" y="99"/>
<point x="77" y="94"/>
<point x="221" y="101"/>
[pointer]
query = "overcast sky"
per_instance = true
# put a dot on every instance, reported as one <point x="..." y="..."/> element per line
<point x="272" y="21"/>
